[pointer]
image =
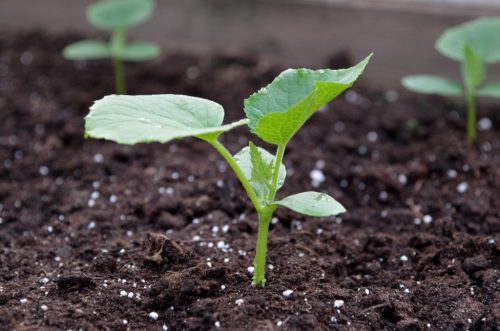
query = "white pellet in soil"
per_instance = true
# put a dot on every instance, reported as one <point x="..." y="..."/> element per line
<point x="338" y="303"/>
<point x="287" y="293"/>
<point x="462" y="187"/>
<point x="153" y="315"/>
<point x="484" y="124"/>
<point x="239" y="302"/>
<point x="427" y="219"/>
<point x="317" y="177"/>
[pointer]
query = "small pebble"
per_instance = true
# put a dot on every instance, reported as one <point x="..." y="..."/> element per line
<point x="287" y="293"/>
<point x="153" y="315"/>
<point x="217" y="324"/>
<point x="250" y="269"/>
<point x="404" y="258"/>
<point x="23" y="300"/>
<point x="123" y="293"/>
<point x="44" y="307"/>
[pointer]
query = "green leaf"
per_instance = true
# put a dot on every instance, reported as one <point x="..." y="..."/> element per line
<point x="139" y="51"/>
<point x="473" y="69"/>
<point x="481" y="34"/>
<point x="86" y="50"/>
<point x="119" y="14"/>
<point x="257" y="165"/>
<point x="312" y="204"/>
<point x="130" y="120"/>
<point x="278" y="110"/>
<point x="431" y="84"/>
<point x="491" y="89"/>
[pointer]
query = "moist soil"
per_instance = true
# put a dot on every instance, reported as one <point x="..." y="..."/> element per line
<point x="98" y="236"/>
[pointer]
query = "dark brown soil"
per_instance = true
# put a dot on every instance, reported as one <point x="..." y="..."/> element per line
<point x="96" y="236"/>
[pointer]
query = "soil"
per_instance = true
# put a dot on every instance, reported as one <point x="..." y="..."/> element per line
<point x="97" y="236"/>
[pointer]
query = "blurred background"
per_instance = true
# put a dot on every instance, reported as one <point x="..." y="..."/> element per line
<point x="305" y="33"/>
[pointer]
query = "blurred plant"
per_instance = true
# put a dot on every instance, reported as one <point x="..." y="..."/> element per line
<point x="117" y="16"/>
<point x="474" y="44"/>
<point x="275" y="113"/>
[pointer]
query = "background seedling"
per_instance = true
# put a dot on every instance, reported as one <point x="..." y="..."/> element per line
<point x="117" y="16"/>
<point x="274" y="114"/>
<point x="473" y="44"/>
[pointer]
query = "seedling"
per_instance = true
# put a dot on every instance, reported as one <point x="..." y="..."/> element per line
<point x="473" y="44"/>
<point x="275" y="113"/>
<point x="117" y="16"/>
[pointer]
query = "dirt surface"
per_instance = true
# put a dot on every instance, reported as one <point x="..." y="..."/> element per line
<point x="97" y="236"/>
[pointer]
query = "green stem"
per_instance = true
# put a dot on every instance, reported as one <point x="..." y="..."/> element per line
<point x="471" y="117"/>
<point x="239" y="173"/>
<point x="259" y="261"/>
<point x="120" y="84"/>
<point x="278" y="159"/>
<point x="117" y="45"/>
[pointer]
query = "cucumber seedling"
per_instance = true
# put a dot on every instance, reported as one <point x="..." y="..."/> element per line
<point x="274" y="113"/>
<point x="473" y="44"/>
<point x="116" y="16"/>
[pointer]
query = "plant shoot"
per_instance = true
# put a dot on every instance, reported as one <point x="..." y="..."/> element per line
<point x="274" y="114"/>
<point x="473" y="44"/>
<point x="116" y="16"/>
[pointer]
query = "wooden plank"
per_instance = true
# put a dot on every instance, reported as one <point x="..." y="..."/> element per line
<point x="295" y="33"/>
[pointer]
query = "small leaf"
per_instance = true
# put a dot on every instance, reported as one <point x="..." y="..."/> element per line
<point x="481" y="34"/>
<point x="473" y="69"/>
<point x="86" y="50"/>
<point x="116" y="14"/>
<point x="431" y="84"/>
<point x="312" y="204"/>
<point x="491" y="89"/>
<point x="139" y="51"/>
<point x="129" y="119"/>
<point x="278" y="110"/>
<point x="257" y="165"/>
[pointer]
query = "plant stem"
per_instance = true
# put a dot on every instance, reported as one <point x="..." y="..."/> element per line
<point x="239" y="173"/>
<point x="121" y="87"/>
<point x="259" y="261"/>
<point x="274" y="184"/>
<point x="117" y="45"/>
<point x="471" y="116"/>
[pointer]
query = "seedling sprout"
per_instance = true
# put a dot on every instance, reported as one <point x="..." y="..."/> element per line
<point x="117" y="16"/>
<point x="473" y="44"/>
<point x="274" y="114"/>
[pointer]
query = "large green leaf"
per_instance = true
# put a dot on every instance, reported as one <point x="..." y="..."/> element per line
<point x="431" y="84"/>
<point x="278" y="110"/>
<point x="490" y="89"/>
<point x="119" y="14"/>
<point x="87" y="50"/>
<point x="129" y="119"/>
<point x="257" y="165"/>
<point x="473" y="69"/>
<point x="139" y="51"/>
<point x="481" y="34"/>
<point x="312" y="204"/>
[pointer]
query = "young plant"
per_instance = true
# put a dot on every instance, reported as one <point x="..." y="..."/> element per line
<point x="473" y="44"/>
<point x="275" y="113"/>
<point x="117" y="16"/>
